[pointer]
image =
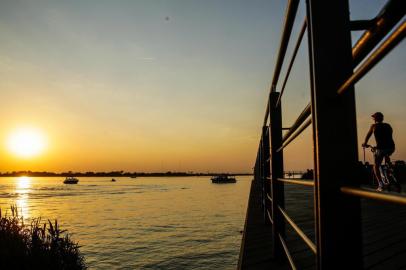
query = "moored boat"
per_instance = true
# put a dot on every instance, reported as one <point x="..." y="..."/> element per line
<point x="71" y="180"/>
<point x="223" y="179"/>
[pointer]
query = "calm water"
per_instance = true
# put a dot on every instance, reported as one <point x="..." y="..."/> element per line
<point x="141" y="223"/>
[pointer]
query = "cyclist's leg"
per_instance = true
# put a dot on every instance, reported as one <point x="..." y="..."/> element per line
<point x="388" y="165"/>
<point x="387" y="159"/>
<point x="384" y="174"/>
<point x="377" y="164"/>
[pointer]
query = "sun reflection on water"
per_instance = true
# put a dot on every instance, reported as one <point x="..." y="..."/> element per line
<point x="23" y="183"/>
<point x="23" y="186"/>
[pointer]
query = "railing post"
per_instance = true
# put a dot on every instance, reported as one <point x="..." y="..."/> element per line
<point x="338" y="218"/>
<point x="256" y="168"/>
<point x="277" y="188"/>
<point x="266" y="172"/>
<point x="261" y="174"/>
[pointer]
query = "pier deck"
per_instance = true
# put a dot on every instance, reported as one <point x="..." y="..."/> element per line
<point x="383" y="229"/>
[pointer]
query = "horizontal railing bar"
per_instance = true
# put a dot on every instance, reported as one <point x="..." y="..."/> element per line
<point x="287" y="30"/>
<point x="394" y="39"/>
<point x="374" y="195"/>
<point x="387" y="18"/>
<point x="292" y="60"/>
<point x="297" y="133"/>
<point x="269" y="216"/>
<point x="269" y="198"/>
<point x="302" y="235"/>
<point x="309" y="183"/>
<point x="285" y="248"/>
<point x="299" y="121"/>
<point x="359" y="25"/>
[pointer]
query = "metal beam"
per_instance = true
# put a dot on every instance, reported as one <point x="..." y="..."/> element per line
<point x="391" y="42"/>
<point x="299" y="121"/>
<point x="297" y="133"/>
<point x="277" y="188"/>
<point x="309" y="183"/>
<point x="266" y="170"/>
<point x="287" y="30"/>
<point x="292" y="59"/>
<point x="299" y="231"/>
<point x="338" y="225"/>
<point x="387" y="18"/>
<point x="374" y="195"/>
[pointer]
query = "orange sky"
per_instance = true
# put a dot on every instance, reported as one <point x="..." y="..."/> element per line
<point x="119" y="86"/>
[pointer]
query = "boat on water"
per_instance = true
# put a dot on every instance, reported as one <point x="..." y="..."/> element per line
<point x="71" y="180"/>
<point x="113" y="180"/>
<point x="223" y="179"/>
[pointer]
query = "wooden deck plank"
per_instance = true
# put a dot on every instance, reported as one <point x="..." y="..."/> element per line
<point x="383" y="224"/>
<point x="256" y="250"/>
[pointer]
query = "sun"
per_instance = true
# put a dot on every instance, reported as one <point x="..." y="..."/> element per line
<point x="26" y="142"/>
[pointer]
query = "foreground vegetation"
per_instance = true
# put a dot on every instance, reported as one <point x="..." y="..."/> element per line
<point x="37" y="245"/>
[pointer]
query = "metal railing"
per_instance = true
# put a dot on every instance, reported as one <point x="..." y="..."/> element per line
<point x="332" y="97"/>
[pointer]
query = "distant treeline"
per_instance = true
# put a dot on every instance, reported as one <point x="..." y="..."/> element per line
<point x="108" y="174"/>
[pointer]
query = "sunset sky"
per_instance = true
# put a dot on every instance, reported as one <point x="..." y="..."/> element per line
<point x="162" y="85"/>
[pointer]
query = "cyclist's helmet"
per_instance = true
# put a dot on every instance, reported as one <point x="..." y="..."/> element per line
<point x="378" y="116"/>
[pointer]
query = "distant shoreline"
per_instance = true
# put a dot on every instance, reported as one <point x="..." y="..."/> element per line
<point x="111" y="174"/>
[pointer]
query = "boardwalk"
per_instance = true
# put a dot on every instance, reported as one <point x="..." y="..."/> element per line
<point x="383" y="229"/>
<point x="256" y="243"/>
<point x="356" y="227"/>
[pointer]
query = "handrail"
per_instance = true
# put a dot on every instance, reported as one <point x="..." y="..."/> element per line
<point x="285" y="248"/>
<point x="302" y="117"/>
<point x="302" y="235"/>
<point x="374" y="195"/>
<point x="394" y="39"/>
<point x="287" y="30"/>
<point x="309" y="183"/>
<point x="386" y="19"/>
<point x="297" y="133"/>
<point x="292" y="60"/>
<point x="362" y="24"/>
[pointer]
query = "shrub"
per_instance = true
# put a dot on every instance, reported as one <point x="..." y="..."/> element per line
<point x="37" y="245"/>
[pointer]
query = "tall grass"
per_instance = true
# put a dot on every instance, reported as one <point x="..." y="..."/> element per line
<point x="36" y="245"/>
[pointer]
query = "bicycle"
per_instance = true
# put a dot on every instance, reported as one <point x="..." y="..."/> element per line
<point x="386" y="171"/>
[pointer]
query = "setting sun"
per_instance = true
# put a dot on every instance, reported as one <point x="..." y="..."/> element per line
<point x="26" y="143"/>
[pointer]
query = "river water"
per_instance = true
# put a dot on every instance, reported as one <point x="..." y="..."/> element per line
<point x="140" y="223"/>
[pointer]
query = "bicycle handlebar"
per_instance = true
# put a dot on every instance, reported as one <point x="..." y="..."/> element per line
<point x="373" y="148"/>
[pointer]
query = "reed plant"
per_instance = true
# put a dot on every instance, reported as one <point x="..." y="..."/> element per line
<point x="38" y="245"/>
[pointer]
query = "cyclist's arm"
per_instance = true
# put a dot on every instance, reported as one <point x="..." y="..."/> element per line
<point x="371" y="130"/>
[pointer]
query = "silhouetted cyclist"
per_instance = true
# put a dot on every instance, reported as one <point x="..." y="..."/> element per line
<point x="385" y="145"/>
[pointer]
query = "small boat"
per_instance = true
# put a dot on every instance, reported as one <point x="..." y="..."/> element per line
<point x="71" y="180"/>
<point x="113" y="180"/>
<point x="223" y="179"/>
<point x="133" y="176"/>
